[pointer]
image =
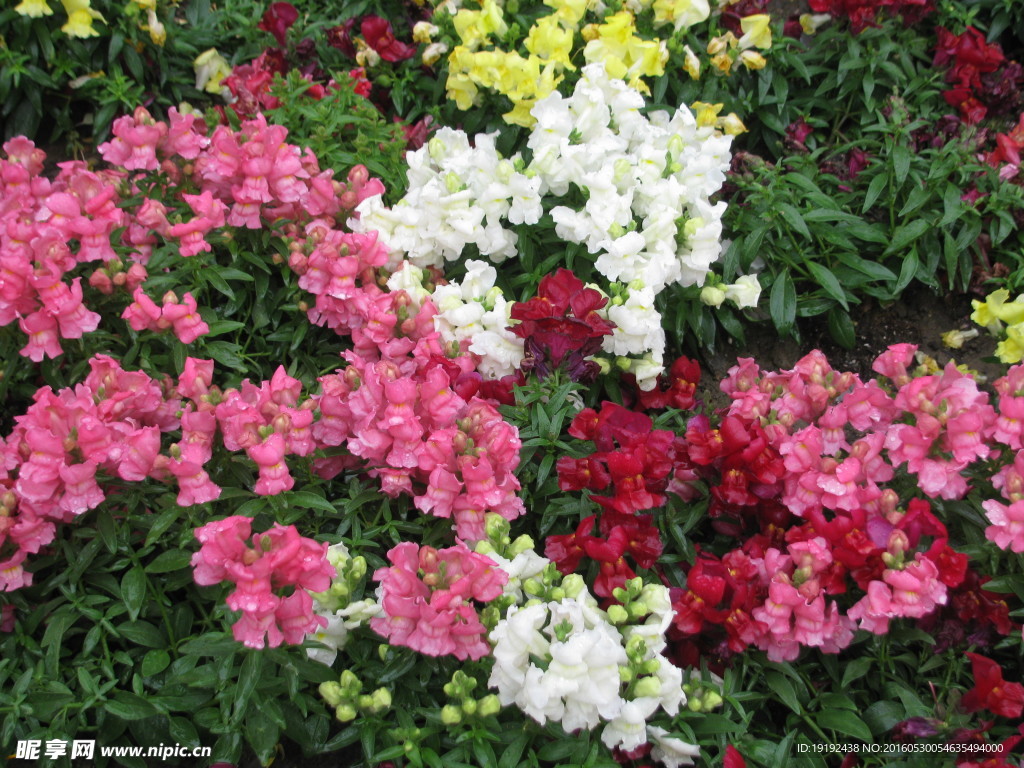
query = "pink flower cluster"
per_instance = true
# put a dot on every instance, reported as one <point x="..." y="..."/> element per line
<point x="38" y="220"/>
<point x="455" y="456"/>
<point x="246" y="178"/>
<point x="52" y="462"/>
<point x="427" y="597"/>
<point x="144" y="314"/>
<point x="279" y="561"/>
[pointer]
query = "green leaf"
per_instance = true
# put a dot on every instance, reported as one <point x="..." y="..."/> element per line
<point x="906" y="234"/>
<point x="907" y="272"/>
<point x="883" y="715"/>
<point x="840" y="326"/>
<point x="874" y="191"/>
<point x="162" y="522"/>
<point x="901" y="163"/>
<point x="129" y="706"/>
<point x="855" y="670"/>
<point x="782" y="303"/>
<point x="262" y="734"/>
<point x="308" y="500"/>
<point x="829" y="282"/>
<point x="171" y="560"/>
<point x="133" y="591"/>
<point x="155" y="662"/>
<point x="782" y="687"/>
<point x="513" y="751"/>
<point x="843" y="722"/>
<point x="248" y="679"/>
<point x="794" y="219"/>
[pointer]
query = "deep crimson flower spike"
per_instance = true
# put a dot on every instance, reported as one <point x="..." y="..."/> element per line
<point x="379" y="35"/>
<point x="278" y="19"/>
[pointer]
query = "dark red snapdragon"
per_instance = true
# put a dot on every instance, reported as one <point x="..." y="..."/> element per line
<point x="380" y="36"/>
<point x="278" y="19"/>
<point x="561" y="327"/>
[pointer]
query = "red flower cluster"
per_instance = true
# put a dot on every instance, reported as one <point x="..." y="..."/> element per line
<point x="561" y="327"/>
<point x="677" y="389"/>
<point x="862" y="13"/>
<point x="982" y="78"/>
<point x="635" y="461"/>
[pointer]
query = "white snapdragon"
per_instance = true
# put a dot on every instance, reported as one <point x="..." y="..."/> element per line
<point x="476" y="313"/>
<point x="459" y="194"/>
<point x="745" y="292"/>
<point x="638" y="325"/>
<point x="671" y="752"/>
<point x="564" y="660"/>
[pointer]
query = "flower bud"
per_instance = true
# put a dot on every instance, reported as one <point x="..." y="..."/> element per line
<point x="648" y="687"/>
<point x="451" y="715"/>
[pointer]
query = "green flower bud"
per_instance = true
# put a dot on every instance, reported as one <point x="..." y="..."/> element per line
<point x="350" y="684"/>
<point x="617" y="615"/>
<point x="520" y="545"/>
<point x="365" y="701"/>
<point x="496" y="527"/>
<point x="489" y="705"/>
<point x="381" y="700"/>
<point x="648" y="687"/>
<point x="711" y="700"/>
<point x="469" y="706"/>
<point x="573" y="585"/>
<point x="331" y="693"/>
<point x="451" y="715"/>
<point x="694" y="705"/>
<point x="346" y="713"/>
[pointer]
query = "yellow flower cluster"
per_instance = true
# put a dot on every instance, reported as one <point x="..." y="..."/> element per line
<point x="524" y="80"/>
<point x="480" y="63"/>
<point x="993" y="313"/>
<point x="80" y="15"/>
<point x="626" y="56"/>
<point x="727" y="49"/>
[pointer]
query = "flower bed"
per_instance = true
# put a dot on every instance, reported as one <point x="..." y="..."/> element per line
<point x="330" y="437"/>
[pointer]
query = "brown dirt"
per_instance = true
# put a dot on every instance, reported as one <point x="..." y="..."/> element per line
<point x="919" y="317"/>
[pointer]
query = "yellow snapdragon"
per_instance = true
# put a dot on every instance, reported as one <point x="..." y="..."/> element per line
<point x="80" y="19"/>
<point x="757" y="32"/>
<point x="211" y="68"/>
<point x="34" y="8"/>
<point x="570" y="12"/>
<point x="625" y="55"/>
<point x="476" y="27"/>
<point x="550" y="42"/>
<point x="682" y="14"/>
<point x="1011" y="349"/>
<point x="995" y="310"/>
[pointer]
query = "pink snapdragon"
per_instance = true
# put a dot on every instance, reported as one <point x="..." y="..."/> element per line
<point x="427" y="597"/>
<point x="144" y="314"/>
<point x="278" y="561"/>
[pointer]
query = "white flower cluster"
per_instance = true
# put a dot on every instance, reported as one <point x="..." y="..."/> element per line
<point x="564" y="660"/>
<point x="647" y="181"/>
<point x="475" y="311"/>
<point x="458" y="196"/>
<point x="647" y="218"/>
